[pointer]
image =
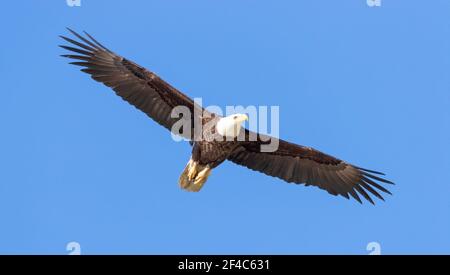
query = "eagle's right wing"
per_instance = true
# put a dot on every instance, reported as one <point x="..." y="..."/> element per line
<point x="304" y="165"/>
<point x="140" y="87"/>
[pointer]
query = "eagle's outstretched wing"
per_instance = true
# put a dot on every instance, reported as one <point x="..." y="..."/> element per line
<point x="299" y="164"/>
<point x="140" y="87"/>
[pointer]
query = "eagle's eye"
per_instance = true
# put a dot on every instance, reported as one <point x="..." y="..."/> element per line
<point x="235" y="117"/>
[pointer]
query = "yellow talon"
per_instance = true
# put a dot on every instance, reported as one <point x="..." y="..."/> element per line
<point x="192" y="170"/>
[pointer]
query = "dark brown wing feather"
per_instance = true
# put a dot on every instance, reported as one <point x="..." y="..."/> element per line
<point x="299" y="164"/>
<point x="141" y="88"/>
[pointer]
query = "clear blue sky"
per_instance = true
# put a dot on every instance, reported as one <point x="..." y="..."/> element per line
<point x="368" y="85"/>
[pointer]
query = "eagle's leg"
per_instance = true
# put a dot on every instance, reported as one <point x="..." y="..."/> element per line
<point x="202" y="176"/>
<point x="192" y="171"/>
<point x="194" y="176"/>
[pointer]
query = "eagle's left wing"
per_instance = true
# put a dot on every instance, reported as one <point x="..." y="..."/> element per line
<point x="140" y="87"/>
<point x="299" y="164"/>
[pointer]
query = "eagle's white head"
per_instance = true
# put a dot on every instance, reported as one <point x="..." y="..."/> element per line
<point x="230" y="126"/>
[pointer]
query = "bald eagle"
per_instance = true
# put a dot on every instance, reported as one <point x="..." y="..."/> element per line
<point x="156" y="98"/>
